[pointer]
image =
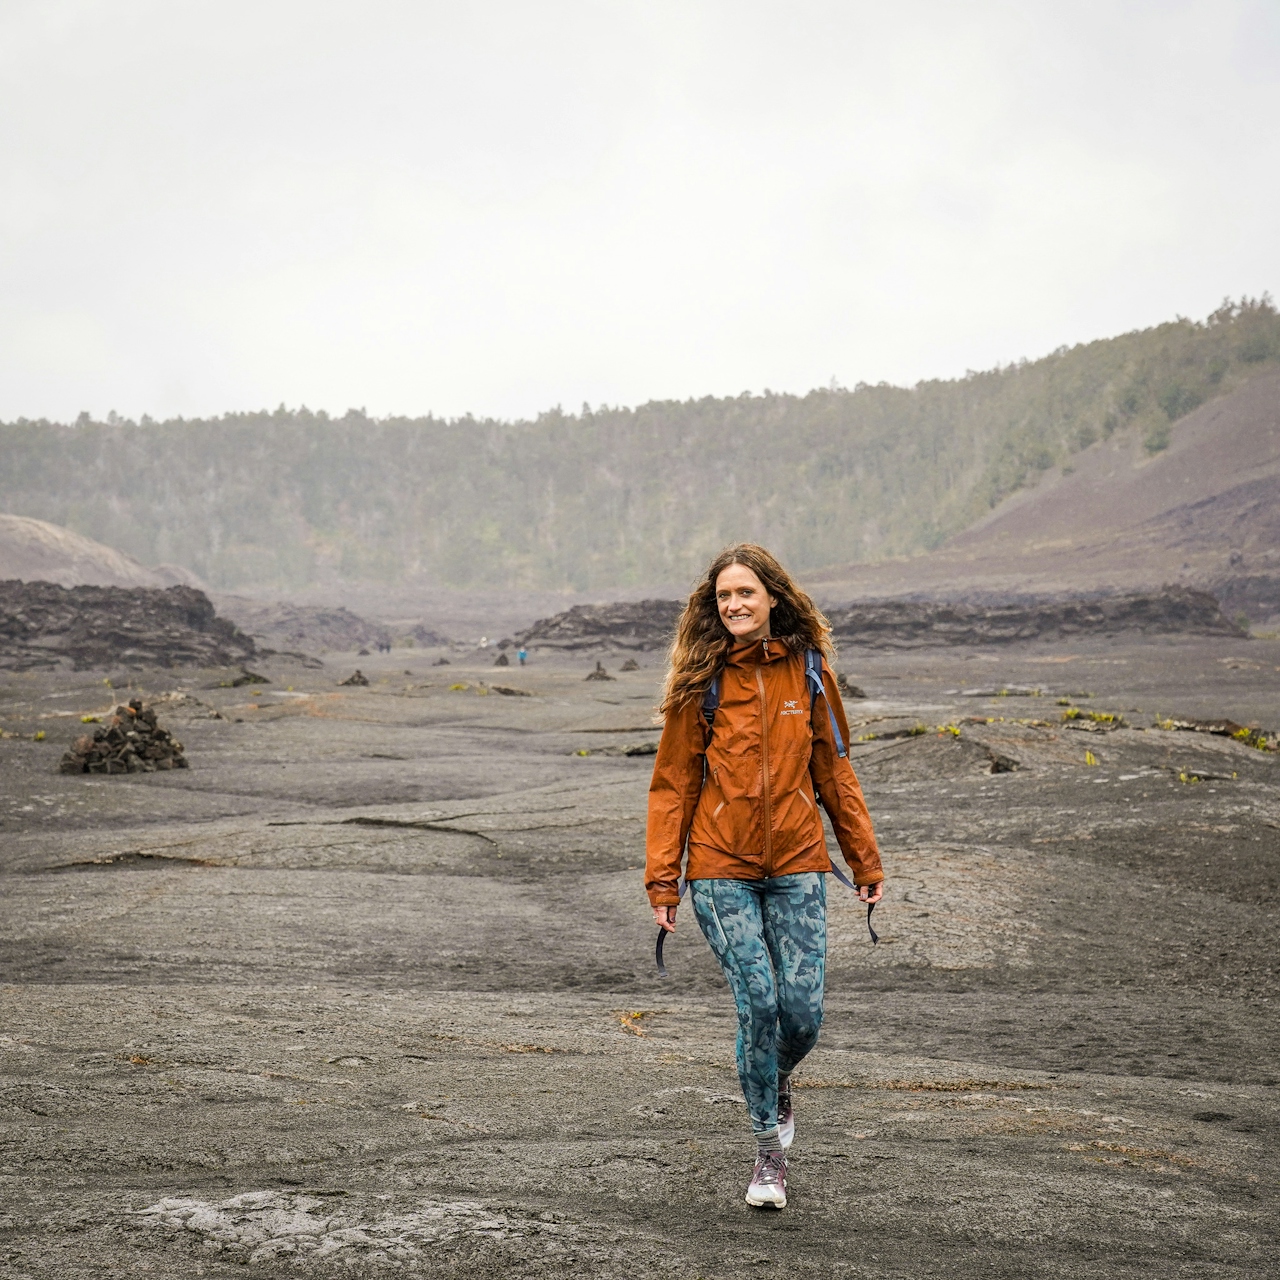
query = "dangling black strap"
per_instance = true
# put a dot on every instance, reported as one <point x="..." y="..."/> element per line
<point x="681" y="887"/>
<point x="657" y="953"/>
<point x="871" y="906"/>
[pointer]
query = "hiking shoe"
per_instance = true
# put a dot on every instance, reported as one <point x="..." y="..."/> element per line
<point x="768" y="1187"/>
<point x="786" y="1118"/>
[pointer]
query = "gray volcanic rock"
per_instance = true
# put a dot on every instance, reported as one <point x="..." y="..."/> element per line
<point x="43" y="624"/>
<point x="310" y="627"/>
<point x="134" y="742"/>
<point x="637" y="624"/>
<point x="909" y="623"/>
<point x="1256" y="595"/>
<point x="650" y="624"/>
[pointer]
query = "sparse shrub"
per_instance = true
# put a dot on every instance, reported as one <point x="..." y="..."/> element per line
<point x="1157" y="438"/>
<point x="1256" y="346"/>
<point x="1178" y="399"/>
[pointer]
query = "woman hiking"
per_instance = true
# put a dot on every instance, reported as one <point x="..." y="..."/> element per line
<point x="747" y="753"/>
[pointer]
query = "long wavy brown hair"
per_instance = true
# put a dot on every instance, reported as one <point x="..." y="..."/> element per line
<point x="703" y="642"/>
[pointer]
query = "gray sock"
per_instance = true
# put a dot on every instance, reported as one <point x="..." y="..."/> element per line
<point x="768" y="1141"/>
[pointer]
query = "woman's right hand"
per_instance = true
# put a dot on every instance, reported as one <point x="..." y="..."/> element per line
<point x="665" y="918"/>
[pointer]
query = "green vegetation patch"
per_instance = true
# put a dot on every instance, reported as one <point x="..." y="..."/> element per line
<point x="613" y="496"/>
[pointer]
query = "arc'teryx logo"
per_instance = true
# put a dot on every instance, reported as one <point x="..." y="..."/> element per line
<point x="791" y="709"/>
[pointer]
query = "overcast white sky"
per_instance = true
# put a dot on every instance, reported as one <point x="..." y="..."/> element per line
<point x="498" y="207"/>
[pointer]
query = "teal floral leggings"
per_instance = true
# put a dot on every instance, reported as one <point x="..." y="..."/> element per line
<point x="770" y="937"/>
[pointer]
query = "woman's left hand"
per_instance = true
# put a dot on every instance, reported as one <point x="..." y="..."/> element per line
<point x="665" y="918"/>
<point x="871" y="893"/>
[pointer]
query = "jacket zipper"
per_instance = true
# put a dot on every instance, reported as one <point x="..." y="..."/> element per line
<point x="764" y="764"/>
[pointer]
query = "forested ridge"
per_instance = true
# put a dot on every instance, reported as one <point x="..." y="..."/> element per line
<point x="609" y="496"/>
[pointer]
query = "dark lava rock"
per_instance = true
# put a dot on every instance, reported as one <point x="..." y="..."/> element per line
<point x="1227" y="729"/>
<point x="313" y="627"/>
<point x="247" y="677"/>
<point x="630" y="665"/>
<point x="847" y="688"/>
<point x="905" y="624"/>
<point x="43" y="624"/>
<point x="634" y="749"/>
<point x="642" y="624"/>
<point x="599" y="673"/>
<point x="132" y="743"/>
<point x="356" y="677"/>
<point x="1256" y="595"/>
<point x="502" y="660"/>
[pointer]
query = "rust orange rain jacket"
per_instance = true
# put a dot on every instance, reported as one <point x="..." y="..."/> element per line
<point x="767" y="755"/>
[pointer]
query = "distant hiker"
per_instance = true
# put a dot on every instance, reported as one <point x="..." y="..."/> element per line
<point x="523" y="654"/>
<point x="754" y="739"/>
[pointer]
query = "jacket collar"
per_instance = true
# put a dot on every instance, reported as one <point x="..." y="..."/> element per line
<point x="753" y="654"/>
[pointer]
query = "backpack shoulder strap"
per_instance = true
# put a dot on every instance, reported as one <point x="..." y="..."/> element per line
<point x="813" y="677"/>
<point x="711" y="701"/>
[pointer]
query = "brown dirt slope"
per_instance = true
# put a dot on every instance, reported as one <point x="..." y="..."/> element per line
<point x="36" y="551"/>
<point x="1204" y="511"/>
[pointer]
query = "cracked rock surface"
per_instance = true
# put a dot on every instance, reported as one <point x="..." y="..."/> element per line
<point x="369" y="989"/>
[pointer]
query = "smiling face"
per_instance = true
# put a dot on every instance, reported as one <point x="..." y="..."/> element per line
<point x="744" y="604"/>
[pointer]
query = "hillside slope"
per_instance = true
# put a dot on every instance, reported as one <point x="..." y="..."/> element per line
<point x="37" y="551"/>
<point x="1205" y="510"/>
<point x="611" y="498"/>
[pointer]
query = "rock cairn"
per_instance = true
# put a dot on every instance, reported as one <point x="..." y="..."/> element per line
<point x="132" y="743"/>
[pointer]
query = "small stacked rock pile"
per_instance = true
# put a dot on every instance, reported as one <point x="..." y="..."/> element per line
<point x="132" y="743"/>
